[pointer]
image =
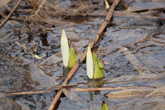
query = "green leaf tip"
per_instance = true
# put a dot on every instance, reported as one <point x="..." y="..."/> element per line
<point x="104" y="106"/>
<point x="99" y="67"/>
<point x="72" y="55"/>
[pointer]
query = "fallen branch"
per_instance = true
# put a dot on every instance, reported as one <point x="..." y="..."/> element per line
<point x="103" y="26"/>
<point x="78" y="90"/>
<point x="58" y="87"/>
<point x="105" y="88"/>
<point x="118" y="14"/>
<point x="10" y="14"/>
<point x="28" y="93"/>
<point x="145" y="93"/>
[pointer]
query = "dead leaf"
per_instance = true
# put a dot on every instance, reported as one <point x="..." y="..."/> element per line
<point x="4" y="2"/>
<point x="135" y="62"/>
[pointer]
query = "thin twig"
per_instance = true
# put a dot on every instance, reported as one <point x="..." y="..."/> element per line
<point x="122" y="16"/>
<point x="39" y="7"/>
<point x="105" y="88"/>
<point x="14" y="18"/>
<point x="22" y="45"/>
<point x="10" y="14"/>
<point x="24" y="10"/>
<point x="18" y="19"/>
<point x="103" y="26"/>
<point x="58" y="87"/>
<point x="28" y="93"/>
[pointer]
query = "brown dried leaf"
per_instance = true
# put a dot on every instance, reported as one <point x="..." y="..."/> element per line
<point x="4" y="2"/>
<point x="135" y="62"/>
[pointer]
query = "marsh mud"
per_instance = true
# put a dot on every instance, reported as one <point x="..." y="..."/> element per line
<point x="132" y="48"/>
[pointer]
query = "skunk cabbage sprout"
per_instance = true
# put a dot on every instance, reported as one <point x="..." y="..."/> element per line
<point x="104" y="106"/>
<point x="89" y="63"/>
<point x="64" y="49"/>
<point x="99" y="65"/>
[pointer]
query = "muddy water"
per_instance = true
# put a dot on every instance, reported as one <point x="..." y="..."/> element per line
<point x="133" y="50"/>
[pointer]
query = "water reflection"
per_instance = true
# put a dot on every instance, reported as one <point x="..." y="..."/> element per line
<point x="94" y="83"/>
<point x="65" y="72"/>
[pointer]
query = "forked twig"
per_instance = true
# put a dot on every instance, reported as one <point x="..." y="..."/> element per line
<point x="103" y="26"/>
<point x="10" y="14"/>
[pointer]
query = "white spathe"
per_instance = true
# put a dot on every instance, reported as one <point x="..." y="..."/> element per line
<point x="64" y="49"/>
<point x="107" y="4"/>
<point x="89" y="63"/>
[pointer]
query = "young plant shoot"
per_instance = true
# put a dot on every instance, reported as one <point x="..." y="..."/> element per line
<point x="69" y="56"/>
<point x="89" y="63"/>
<point x="106" y="4"/>
<point x="64" y="49"/>
<point x="104" y="106"/>
<point x="99" y="65"/>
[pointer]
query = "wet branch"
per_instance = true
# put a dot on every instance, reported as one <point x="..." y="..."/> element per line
<point x="103" y="26"/>
<point x="10" y="14"/>
<point x="76" y="90"/>
<point x="104" y="89"/>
